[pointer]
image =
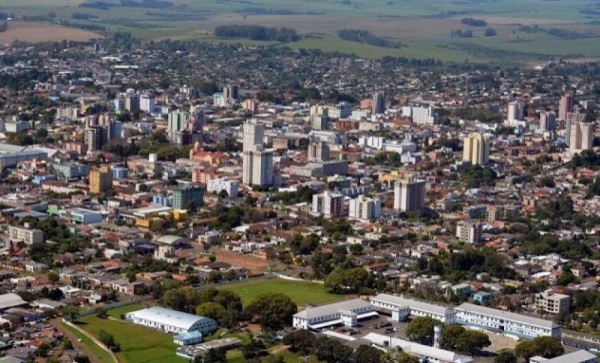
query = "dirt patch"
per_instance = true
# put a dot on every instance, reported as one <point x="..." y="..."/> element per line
<point x="250" y="262"/>
<point x="43" y="32"/>
<point x="520" y="21"/>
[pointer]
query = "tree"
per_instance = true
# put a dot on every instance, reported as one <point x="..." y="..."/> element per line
<point x="214" y="356"/>
<point x="300" y="341"/>
<point x="547" y="347"/>
<point x="367" y="354"/>
<point x="53" y="277"/>
<point x="273" y="310"/>
<point x="254" y="349"/>
<point x="406" y="358"/>
<point x="109" y="340"/>
<point x="506" y="356"/>
<point x="332" y="351"/>
<point x="212" y="310"/>
<point x="471" y="342"/>
<point x="72" y="311"/>
<point x="420" y="329"/>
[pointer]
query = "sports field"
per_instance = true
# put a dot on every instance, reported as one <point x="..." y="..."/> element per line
<point x="138" y="344"/>
<point x="302" y="293"/>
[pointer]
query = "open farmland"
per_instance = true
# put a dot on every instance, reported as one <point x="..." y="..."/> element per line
<point x="424" y="27"/>
<point x="43" y="32"/>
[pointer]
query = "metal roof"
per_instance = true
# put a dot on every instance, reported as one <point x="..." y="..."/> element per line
<point x="573" y="357"/>
<point x="166" y="316"/>
<point x="413" y="304"/>
<point x="315" y="312"/>
<point x="11" y="300"/>
<point x="507" y="315"/>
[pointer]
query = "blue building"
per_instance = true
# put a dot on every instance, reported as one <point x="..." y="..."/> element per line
<point x="119" y="172"/>
<point x="482" y="297"/>
<point x="186" y="196"/>
<point x="162" y="200"/>
<point x="189" y="338"/>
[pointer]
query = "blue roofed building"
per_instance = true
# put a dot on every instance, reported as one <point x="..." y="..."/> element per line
<point x="189" y="338"/>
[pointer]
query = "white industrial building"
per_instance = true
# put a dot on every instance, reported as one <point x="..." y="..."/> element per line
<point x="505" y="321"/>
<point x="429" y="354"/>
<point x="402" y="307"/>
<point x="172" y="321"/>
<point x="346" y="313"/>
<point x="578" y="356"/>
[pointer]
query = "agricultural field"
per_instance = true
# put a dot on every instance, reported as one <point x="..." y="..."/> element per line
<point x="43" y="32"/>
<point x="424" y="27"/>
<point x="301" y="293"/>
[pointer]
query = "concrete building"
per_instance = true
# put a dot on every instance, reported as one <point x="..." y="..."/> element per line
<point x="578" y="356"/>
<point x="551" y="302"/>
<point x="414" y="308"/>
<point x="329" y="204"/>
<point x="516" y="112"/>
<point x="363" y="208"/>
<point x="253" y="135"/>
<point x="547" y="121"/>
<point x="319" y="122"/>
<point x="409" y="194"/>
<point x="100" y="180"/>
<point x="257" y="167"/>
<point x="185" y="197"/>
<point x="172" y="321"/>
<point x="469" y="232"/>
<point x="505" y="322"/>
<point x="147" y="103"/>
<point x="581" y="137"/>
<point x="565" y="105"/>
<point x="476" y="149"/>
<point x="346" y="313"/>
<point x="218" y="185"/>
<point x="176" y="121"/>
<point x="378" y="104"/>
<point x="24" y="234"/>
<point x="424" y="115"/>
<point x="70" y="171"/>
<point x="318" y="151"/>
<point x="425" y="353"/>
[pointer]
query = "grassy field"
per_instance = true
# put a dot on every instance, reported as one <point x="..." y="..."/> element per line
<point x="96" y="350"/>
<point x="138" y="344"/>
<point x="301" y="293"/>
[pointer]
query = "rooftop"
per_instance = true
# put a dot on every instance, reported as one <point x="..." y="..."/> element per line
<point x="413" y="304"/>
<point x="507" y="315"/>
<point x="318" y="311"/>
<point x="167" y="316"/>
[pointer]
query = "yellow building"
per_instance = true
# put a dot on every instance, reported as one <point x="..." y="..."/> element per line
<point x="476" y="149"/>
<point x="100" y="180"/>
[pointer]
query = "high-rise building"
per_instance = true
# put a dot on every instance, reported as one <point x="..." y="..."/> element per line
<point x="231" y="92"/>
<point x="257" y="163"/>
<point x="516" y="112"/>
<point x="378" y="103"/>
<point x="581" y="137"/>
<point x="186" y="197"/>
<point x="476" y="149"/>
<point x="409" y="194"/>
<point x="547" y="121"/>
<point x="257" y="167"/>
<point x="424" y="115"/>
<point x="253" y="135"/>
<point x="469" y="232"/>
<point x="147" y="102"/>
<point x="100" y="179"/>
<point x="94" y="138"/>
<point x="176" y="120"/>
<point x="318" y="151"/>
<point x="330" y="205"/>
<point x="319" y="122"/>
<point x="364" y="208"/>
<point x="565" y="106"/>
<point x="132" y="103"/>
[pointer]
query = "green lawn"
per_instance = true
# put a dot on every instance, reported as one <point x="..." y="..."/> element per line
<point x="96" y="350"/>
<point x="117" y="312"/>
<point x="138" y="344"/>
<point x="301" y="292"/>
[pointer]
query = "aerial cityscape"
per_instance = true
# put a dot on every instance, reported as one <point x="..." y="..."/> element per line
<point x="230" y="181"/>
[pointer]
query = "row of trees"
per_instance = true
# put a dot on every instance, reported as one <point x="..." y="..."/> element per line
<point x="257" y="32"/>
<point x="365" y="36"/>
<point x="272" y="311"/>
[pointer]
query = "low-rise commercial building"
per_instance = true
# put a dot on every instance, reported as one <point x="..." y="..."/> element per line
<point x="26" y="235"/>
<point x="414" y="307"/>
<point x="345" y="313"/>
<point x="551" y="302"/>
